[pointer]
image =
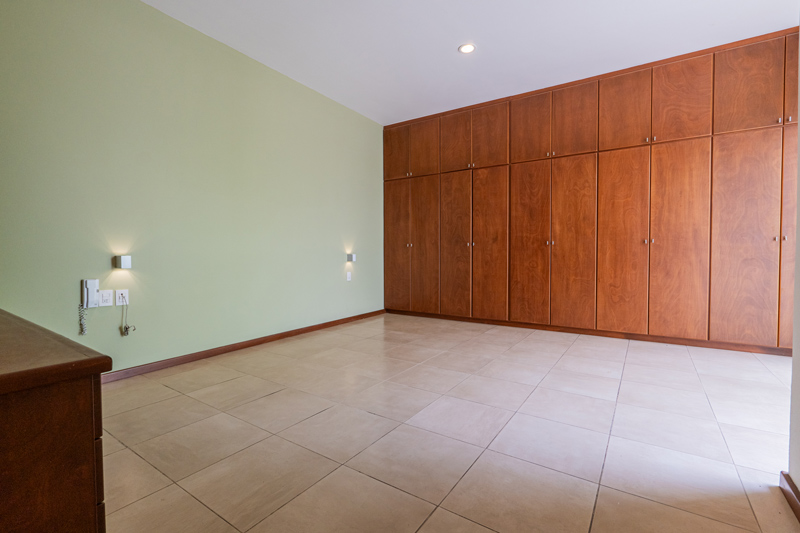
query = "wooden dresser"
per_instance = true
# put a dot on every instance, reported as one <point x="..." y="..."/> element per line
<point x="51" y="453"/>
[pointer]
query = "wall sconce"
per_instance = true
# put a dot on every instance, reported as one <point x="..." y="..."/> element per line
<point x="351" y="258"/>
<point x="122" y="261"/>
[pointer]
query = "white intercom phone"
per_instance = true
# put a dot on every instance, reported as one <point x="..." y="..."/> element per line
<point x="90" y="293"/>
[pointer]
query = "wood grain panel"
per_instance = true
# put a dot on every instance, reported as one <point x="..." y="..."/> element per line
<point x="683" y="94"/>
<point x="423" y="140"/>
<point x="395" y="152"/>
<point x="790" y="88"/>
<point x="788" y="236"/>
<point x="456" y="141"/>
<point x="425" y="244"/>
<point x="680" y="233"/>
<point x="396" y="238"/>
<point x="456" y="248"/>
<point x="745" y="224"/>
<point x="623" y="220"/>
<point x="490" y="135"/>
<point x="530" y="127"/>
<point x="748" y="86"/>
<point x="490" y="235"/>
<point x="529" y="238"/>
<point x="574" y="215"/>
<point x="625" y="110"/>
<point x="575" y="119"/>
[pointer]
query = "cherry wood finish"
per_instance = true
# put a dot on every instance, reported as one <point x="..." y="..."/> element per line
<point x="490" y="238"/>
<point x="575" y="119"/>
<point x="680" y="233"/>
<point x="396" y="241"/>
<point x="788" y="236"/>
<point x="423" y="139"/>
<point x="623" y="220"/>
<point x="683" y="94"/>
<point x="490" y="135"/>
<point x="456" y="141"/>
<point x="790" y="90"/>
<point x="425" y="244"/>
<point x="456" y="248"/>
<point x="530" y="127"/>
<point x="573" y="244"/>
<point x="745" y="225"/>
<point x="625" y="110"/>
<point x="395" y="152"/>
<point x="748" y="86"/>
<point x="529" y="242"/>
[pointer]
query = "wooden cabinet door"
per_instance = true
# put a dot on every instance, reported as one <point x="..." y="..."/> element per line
<point x="790" y="90"/>
<point x="575" y="119"/>
<point x="456" y="141"/>
<point x="625" y="110"/>
<point x="748" y="86"/>
<point x="490" y="135"/>
<point x="573" y="244"/>
<point x="529" y="238"/>
<point x="530" y="127"/>
<point x="680" y="233"/>
<point x="683" y="94"/>
<point x="456" y="249"/>
<point x="396" y="241"/>
<point x="623" y="220"/>
<point x="745" y="224"/>
<point x="788" y="233"/>
<point x="490" y="235"/>
<point x="423" y="140"/>
<point x="395" y="152"/>
<point x="425" y="244"/>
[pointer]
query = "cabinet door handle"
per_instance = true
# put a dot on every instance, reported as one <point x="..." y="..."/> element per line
<point x="552" y="243"/>
<point x="410" y="173"/>
<point x="411" y="245"/>
<point x="776" y="238"/>
<point x="652" y="241"/>
<point x="790" y="119"/>
<point x="647" y="139"/>
<point x="785" y="238"/>
<point x="547" y="243"/>
<point x="548" y="154"/>
<point x="654" y="138"/>
<point x="467" y="244"/>
<point x="780" y="120"/>
<point x="554" y="154"/>
<point x="645" y="241"/>
<point x="473" y="244"/>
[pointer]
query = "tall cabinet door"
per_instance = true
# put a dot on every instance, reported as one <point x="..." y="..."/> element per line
<point x="530" y="127"/>
<point x="490" y="135"/>
<point x="788" y="233"/>
<point x="623" y="220"/>
<point x="573" y="243"/>
<point x="396" y="245"/>
<point x="395" y="153"/>
<point x="425" y="244"/>
<point x="745" y="224"/>
<point x="625" y="110"/>
<point x="423" y="142"/>
<point x="456" y="141"/>
<point x="456" y="248"/>
<point x="680" y="233"/>
<point x="490" y="238"/>
<point x="683" y="92"/>
<point x="529" y="237"/>
<point x="575" y="119"/>
<point x="790" y="90"/>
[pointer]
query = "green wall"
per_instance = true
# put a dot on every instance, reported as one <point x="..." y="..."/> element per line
<point x="236" y="190"/>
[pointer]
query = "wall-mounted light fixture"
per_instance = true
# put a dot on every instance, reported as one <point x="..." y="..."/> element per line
<point x="122" y="261"/>
<point x="351" y="258"/>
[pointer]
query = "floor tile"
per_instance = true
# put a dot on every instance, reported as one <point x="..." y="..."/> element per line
<point x="572" y="409"/>
<point x="526" y="374"/>
<point x="413" y="353"/>
<point x="235" y="392"/>
<point x="167" y="511"/>
<point x="669" y="430"/>
<point x="665" y="399"/>
<point x="439" y="342"/>
<point x="481" y="349"/>
<point x="569" y="449"/>
<point x="281" y="410"/>
<point x="144" y="423"/>
<point x="424" y="464"/>
<point x="779" y="365"/>
<point x="508" y="494"/>
<point x="536" y="343"/>
<point x="695" y="484"/>
<point x="593" y="386"/>
<point x="349" y="502"/>
<point x="340" y="432"/>
<point x="751" y="370"/>
<point x="590" y="350"/>
<point x="519" y="356"/>
<point x="334" y="338"/>
<point x="769" y="504"/>
<point x="748" y="403"/>
<point x="618" y="512"/>
<point x="459" y="361"/>
<point x="373" y="346"/>
<point x="381" y="367"/>
<point x="662" y="377"/>
<point x="337" y="385"/>
<point x="187" y="450"/>
<point x="127" y="394"/>
<point x="599" y="341"/>
<point x="296" y="348"/>
<point x="503" y="336"/>
<point x="198" y="378"/>
<point x="555" y="336"/>
<point x="336" y="358"/>
<point x="756" y="449"/>
<point x="442" y="521"/>
<point x="588" y="365"/>
<point x="392" y="400"/>
<point x="110" y="444"/>
<point x="494" y="392"/>
<point x="254" y="363"/>
<point x="179" y="369"/>
<point x="470" y="422"/>
<point x="128" y="478"/>
<point x="250" y="485"/>
<point x="399" y="337"/>
<point x="669" y="356"/>
<point x="430" y="378"/>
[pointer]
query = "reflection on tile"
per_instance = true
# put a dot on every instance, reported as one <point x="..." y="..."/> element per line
<point x="572" y="409"/>
<point x="127" y="478"/>
<point x="467" y="421"/>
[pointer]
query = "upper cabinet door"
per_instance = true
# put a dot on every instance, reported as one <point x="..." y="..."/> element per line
<point x="425" y="244"/>
<point x="575" y="119"/>
<point x="423" y="139"/>
<point x="395" y="152"/>
<point x="396" y="249"/>
<point x="788" y="233"/>
<point x="748" y="86"/>
<point x="625" y="110"/>
<point x="456" y="141"/>
<point x="490" y="135"/>
<point x="456" y="249"/>
<point x="490" y="235"/>
<point x="683" y="93"/>
<point x="790" y="104"/>
<point x="530" y="127"/>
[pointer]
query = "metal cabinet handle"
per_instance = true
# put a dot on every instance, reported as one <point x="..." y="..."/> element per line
<point x="645" y="241"/>
<point x="654" y="138"/>
<point x="410" y="173"/>
<point x="776" y="238"/>
<point x="554" y="154"/>
<point x="552" y="243"/>
<point x="473" y="244"/>
<point x="790" y="119"/>
<point x="647" y="139"/>
<point x="780" y="120"/>
<point x="547" y="243"/>
<point x="652" y="241"/>
<point x="785" y="238"/>
<point x="548" y="154"/>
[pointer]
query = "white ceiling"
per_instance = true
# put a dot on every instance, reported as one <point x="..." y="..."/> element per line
<point x="394" y="60"/>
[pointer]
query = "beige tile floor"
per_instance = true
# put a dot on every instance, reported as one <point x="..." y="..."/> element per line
<point x="405" y="424"/>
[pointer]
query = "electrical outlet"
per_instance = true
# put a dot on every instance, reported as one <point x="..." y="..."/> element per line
<point x="106" y="298"/>
<point x="122" y="297"/>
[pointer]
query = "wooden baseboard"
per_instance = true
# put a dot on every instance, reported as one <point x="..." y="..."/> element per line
<point x="174" y="361"/>
<point x="774" y="350"/>
<point x="789" y="490"/>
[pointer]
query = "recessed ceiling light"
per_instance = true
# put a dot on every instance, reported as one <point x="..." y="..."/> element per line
<point x="466" y="48"/>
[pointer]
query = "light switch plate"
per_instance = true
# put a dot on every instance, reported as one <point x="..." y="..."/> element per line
<point x="106" y="298"/>
<point x="349" y="276"/>
<point x="122" y="297"/>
